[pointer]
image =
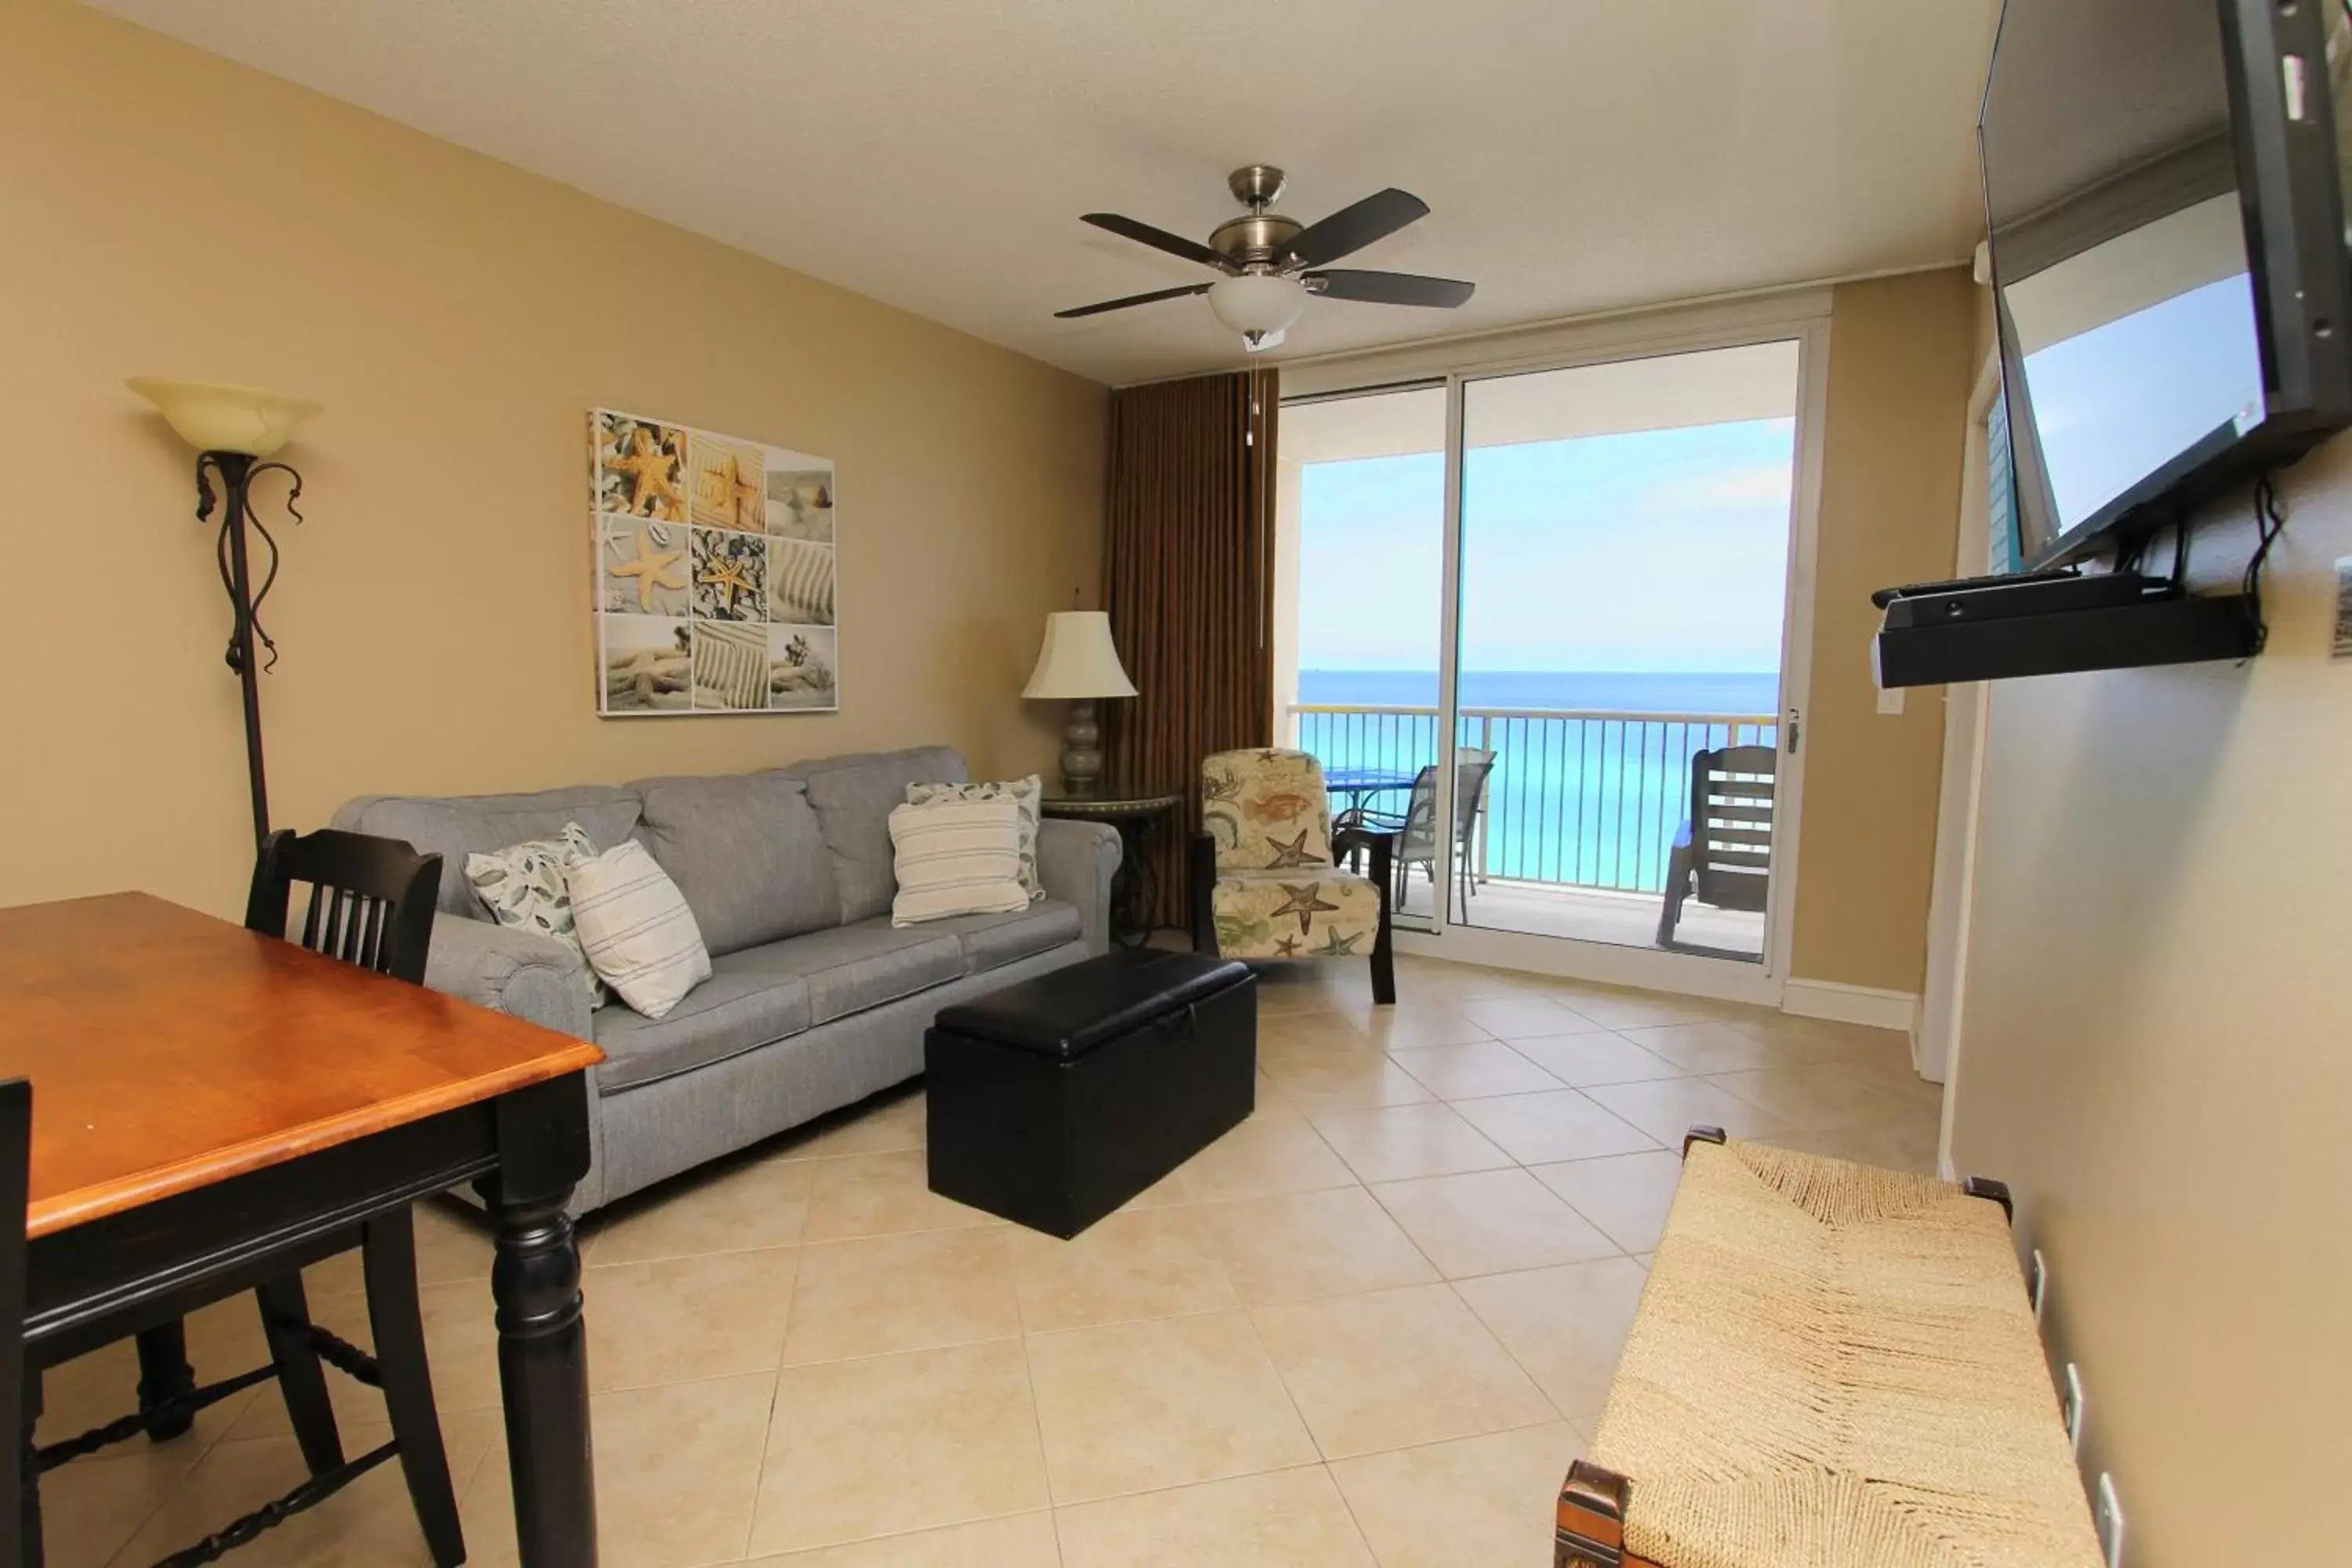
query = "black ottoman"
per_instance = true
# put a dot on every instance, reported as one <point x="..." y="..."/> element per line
<point x="1055" y="1101"/>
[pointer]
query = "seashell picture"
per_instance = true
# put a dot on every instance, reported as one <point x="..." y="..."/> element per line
<point x="714" y="582"/>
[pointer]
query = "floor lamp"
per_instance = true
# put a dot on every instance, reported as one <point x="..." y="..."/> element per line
<point x="233" y="428"/>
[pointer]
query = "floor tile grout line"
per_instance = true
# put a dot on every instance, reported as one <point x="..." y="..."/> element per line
<point x="768" y="1426"/>
<point x="1362" y="1535"/>
<point x="1524" y="1371"/>
<point x="1037" y="1425"/>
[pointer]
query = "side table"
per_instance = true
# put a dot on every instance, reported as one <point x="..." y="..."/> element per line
<point x="1134" y="814"/>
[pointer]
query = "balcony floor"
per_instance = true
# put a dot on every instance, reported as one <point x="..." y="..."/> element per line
<point x="1595" y="914"/>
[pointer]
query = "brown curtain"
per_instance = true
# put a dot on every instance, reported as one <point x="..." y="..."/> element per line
<point x="1188" y="570"/>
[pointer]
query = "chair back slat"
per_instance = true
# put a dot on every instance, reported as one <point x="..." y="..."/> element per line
<point x="1732" y="814"/>
<point x="16" y="1181"/>
<point x="371" y="945"/>
<point x="370" y="904"/>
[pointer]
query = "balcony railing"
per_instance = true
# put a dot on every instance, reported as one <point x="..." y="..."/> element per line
<point x="1579" y="799"/>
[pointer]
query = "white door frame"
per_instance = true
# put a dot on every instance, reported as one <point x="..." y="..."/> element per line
<point x="1802" y="317"/>
<point x="1936" y="1049"/>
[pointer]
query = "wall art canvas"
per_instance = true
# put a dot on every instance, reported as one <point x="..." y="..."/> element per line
<point x="714" y="573"/>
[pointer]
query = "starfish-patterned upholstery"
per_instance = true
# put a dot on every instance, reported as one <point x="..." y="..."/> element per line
<point x="1276" y="891"/>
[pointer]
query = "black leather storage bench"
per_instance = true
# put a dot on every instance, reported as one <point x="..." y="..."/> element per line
<point x="1055" y="1101"/>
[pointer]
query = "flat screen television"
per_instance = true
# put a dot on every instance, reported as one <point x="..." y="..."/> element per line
<point x="2169" y="261"/>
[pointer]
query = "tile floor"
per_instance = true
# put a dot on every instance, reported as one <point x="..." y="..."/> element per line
<point x="1371" y="1326"/>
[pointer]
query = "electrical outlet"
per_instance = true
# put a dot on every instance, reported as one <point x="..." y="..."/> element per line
<point x="2109" y="1519"/>
<point x="2038" y="1284"/>
<point x="1890" y="699"/>
<point x="2076" y="1405"/>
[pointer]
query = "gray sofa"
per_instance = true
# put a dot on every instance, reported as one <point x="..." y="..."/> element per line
<point x="814" y="1000"/>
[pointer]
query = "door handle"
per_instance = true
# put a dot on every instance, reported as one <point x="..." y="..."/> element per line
<point x="1794" y="732"/>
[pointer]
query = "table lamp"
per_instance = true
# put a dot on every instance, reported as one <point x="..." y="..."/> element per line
<point x="232" y="427"/>
<point x="1079" y="663"/>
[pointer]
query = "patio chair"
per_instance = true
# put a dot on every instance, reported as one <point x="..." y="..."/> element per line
<point x="1265" y="879"/>
<point x="1723" y="852"/>
<point x="1416" y="830"/>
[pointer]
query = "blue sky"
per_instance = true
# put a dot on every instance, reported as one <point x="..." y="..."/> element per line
<point x="1657" y="551"/>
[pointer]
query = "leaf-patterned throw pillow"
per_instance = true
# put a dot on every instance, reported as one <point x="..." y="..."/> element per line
<point x="525" y="887"/>
<point x="1022" y="793"/>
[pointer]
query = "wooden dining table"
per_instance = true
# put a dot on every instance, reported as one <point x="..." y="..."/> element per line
<point x="212" y="1108"/>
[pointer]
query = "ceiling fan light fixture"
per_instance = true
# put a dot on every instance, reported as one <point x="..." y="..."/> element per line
<point x="1258" y="305"/>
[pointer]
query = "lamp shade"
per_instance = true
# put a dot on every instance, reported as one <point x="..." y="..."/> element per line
<point x="212" y="417"/>
<point x="1256" y="302"/>
<point x="1078" y="659"/>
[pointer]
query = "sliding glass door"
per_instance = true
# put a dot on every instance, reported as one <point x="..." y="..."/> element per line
<point x="1537" y="623"/>
<point x="1624" y="541"/>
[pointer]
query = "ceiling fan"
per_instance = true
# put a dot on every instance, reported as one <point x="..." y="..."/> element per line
<point x="1273" y="264"/>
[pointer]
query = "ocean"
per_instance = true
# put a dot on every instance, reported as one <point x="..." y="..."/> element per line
<point x="1594" y="800"/>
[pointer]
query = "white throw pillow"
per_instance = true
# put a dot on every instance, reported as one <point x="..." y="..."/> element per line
<point x="637" y="930"/>
<point x="525" y="887"/>
<point x="956" y="857"/>
<point x="1022" y="793"/>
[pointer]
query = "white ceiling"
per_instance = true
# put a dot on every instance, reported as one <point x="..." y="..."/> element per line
<point x="1579" y="155"/>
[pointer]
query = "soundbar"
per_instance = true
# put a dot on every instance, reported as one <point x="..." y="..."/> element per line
<point x="2050" y="624"/>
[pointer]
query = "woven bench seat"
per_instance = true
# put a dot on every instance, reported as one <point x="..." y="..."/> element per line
<point x="1832" y="1367"/>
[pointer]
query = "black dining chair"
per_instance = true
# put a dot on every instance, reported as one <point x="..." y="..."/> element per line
<point x="16" y="1525"/>
<point x="370" y="903"/>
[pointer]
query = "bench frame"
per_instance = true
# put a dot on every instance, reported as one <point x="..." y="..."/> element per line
<point x="1590" y="1527"/>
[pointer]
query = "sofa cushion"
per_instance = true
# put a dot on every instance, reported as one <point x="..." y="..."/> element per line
<point x="458" y="825"/>
<point x="746" y="852"/>
<point x="740" y="1008"/>
<point x="853" y="967"/>
<point x="853" y="797"/>
<point x="991" y="942"/>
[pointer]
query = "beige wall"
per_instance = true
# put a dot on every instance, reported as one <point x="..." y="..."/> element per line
<point x="1900" y="370"/>
<point x="166" y="211"/>
<point x="2158" y="1054"/>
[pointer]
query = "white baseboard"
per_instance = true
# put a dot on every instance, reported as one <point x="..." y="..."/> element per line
<point x="1861" y="1004"/>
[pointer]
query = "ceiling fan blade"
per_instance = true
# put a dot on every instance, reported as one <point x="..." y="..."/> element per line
<point x="1133" y="300"/>
<point x="1350" y="229"/>
<point x="1158" y="239"/>
<point x="1389" y="287"/>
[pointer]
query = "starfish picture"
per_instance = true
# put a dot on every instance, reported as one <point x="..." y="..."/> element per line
<point x="726" y="574"/>
<point x="1287" y="947"/>
<point x="1306" y="902"/>
<point x="731" y="576"/>
<point x="1294" y="853"/>
<point x="729" y="492"/>
<point x="1337" y="946"/>
<point x="649" y="466"/>
<point x="652" y="568"/>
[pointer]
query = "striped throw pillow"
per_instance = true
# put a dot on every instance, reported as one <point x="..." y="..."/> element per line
<point x="635" y="929"/>
<point x="956" y="857"/>
<point x="1021" y="792"/>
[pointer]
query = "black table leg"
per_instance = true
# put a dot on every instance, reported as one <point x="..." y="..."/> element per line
<point x="1135" y="885"/>
<point x="542" y="1339"/>
<point x="165" y="1376"/>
